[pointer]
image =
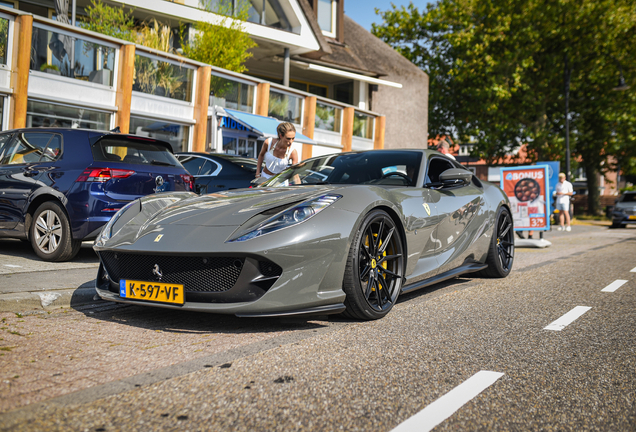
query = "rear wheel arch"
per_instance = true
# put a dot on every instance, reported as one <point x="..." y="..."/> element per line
<point x="37" y="202"/>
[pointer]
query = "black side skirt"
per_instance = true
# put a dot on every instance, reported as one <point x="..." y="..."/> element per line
<point x="466" y="268"/>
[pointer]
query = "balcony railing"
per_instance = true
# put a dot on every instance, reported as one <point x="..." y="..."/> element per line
<point x="69" y="56"/>
<point x="285" y="107"/>
<point x="162" y="77"/>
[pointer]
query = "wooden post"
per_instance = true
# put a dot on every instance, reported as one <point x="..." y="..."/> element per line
<point x="125" y="79"/>
<point x="309" y="122"/>
<point x="380" y="128"/>
<point x="20" y="70"/>
<point x="262" y="99"/>
<point x="202" y="101"/>
<point x="347" y="128"/>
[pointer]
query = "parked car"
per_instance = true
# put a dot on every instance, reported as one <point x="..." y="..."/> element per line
<point x="215" y="172"/>
<point x="339" y="233"/>
<point x="624" y="211"/>
<point x="60" y="186"/>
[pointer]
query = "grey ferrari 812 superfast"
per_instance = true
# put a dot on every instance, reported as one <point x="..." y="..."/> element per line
<point x="341" y="233"/>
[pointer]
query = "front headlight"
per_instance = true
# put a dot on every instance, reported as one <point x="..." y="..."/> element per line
<point x="290" y="217"/>
<point x="107" y="231"/>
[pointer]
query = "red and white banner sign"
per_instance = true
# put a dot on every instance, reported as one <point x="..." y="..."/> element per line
<point x="526" y="188"/>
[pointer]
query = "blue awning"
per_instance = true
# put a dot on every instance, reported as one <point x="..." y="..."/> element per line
<point x="264" y="126"/>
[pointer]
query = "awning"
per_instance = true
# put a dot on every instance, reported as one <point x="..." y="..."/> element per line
<point x="264" y="126"/>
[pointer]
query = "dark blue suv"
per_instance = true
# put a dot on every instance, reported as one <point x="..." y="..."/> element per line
<point x="59" y="186"/>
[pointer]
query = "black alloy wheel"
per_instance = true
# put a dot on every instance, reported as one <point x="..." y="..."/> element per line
<point x="502" y="247"/>
<point x="375" y="268"/>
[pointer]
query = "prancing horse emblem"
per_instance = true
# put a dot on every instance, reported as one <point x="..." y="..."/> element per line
<point x="157" y="272"/>
<point x="427" y="208"/>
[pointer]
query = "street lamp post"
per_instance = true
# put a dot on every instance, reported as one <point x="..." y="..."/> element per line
<point x="566" y="77"/>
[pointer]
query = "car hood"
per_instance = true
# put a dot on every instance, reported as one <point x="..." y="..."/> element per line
<point x="229" y="208"/>
<point x="625" y="205"/>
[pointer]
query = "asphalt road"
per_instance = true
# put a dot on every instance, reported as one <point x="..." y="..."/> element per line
<point x="106" y="367"/>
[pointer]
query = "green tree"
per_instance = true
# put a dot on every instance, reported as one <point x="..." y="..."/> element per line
<point x="115" y="22"/>
<point x="224" y="44"/>
<point x="496" y="73"/>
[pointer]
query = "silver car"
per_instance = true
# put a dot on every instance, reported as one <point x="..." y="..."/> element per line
<point x="624" y="211"/>
<point x="342" y="233"/>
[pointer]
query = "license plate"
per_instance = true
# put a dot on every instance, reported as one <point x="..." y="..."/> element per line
<point x="152" y="291"/>
<point x="632" y="217"/>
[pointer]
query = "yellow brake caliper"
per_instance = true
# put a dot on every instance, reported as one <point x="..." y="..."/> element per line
<point x="373" y="261"/>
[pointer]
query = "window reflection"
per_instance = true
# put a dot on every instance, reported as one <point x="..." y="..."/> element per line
<point x="4" y="40"/>
<point x="45" y="114"/>
<point x="363" y="125"/>
<point x="163" y="78"/>
<point x="175" y="134"/>
<point x="328" y="117"/>
<point x="285" y="107"/>
<point x="64" y="55"/>
<point x="231" y="94"/>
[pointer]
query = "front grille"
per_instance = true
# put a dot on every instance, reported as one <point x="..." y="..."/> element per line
<point x="196" y="273"/>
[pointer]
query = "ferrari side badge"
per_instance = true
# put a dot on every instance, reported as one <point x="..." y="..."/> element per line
<point x="158" y="238"/>
<point x="426" y="207"/>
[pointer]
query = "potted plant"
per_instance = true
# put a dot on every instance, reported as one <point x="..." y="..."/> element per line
<point x="49" y="68"/>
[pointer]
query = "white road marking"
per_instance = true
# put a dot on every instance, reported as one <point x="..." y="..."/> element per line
<point x="568" y="318"/>
<point x="12" y="265"/>
<point x="614" y="285"/>
<point x="633" y="270"/>
<point x="445" y="406"/>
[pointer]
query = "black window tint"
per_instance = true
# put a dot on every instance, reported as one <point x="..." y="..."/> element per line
<point x="436" y="166"/>
<point x="132" y="152"/>
<point x="54" y="150"/>
<point x="28" y="147"/>
<point x="192" y="164"/>
<point x="628" y="198"/>
<point x="209" y="168"/>
<point x="4" y="145"/>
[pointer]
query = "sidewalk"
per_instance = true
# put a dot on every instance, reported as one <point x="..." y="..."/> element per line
<point x="28" y="283"/>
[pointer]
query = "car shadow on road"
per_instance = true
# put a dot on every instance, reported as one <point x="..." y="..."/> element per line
<point x="188" y="322"/>
<point x="23" y="249"/>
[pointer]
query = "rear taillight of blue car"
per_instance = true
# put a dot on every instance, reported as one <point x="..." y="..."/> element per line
<point x="188" y="180"/>
<point x="103" y="174"/>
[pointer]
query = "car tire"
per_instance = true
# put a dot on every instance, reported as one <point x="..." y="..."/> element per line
<point x="375" y="268"/>
<point x="502" y="247"/>
<point x="615" y="225"/>
<point x="50" y="233"/>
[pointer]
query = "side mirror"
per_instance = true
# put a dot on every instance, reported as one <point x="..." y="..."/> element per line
<point x="455" y="177"/>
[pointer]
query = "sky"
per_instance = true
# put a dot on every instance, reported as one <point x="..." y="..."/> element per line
<point x="363" y="11"/>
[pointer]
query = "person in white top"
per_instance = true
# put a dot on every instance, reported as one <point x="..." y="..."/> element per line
<point x="563" y="192"/>
<point x="276" y="153"/>
<point x="444" y="148"/>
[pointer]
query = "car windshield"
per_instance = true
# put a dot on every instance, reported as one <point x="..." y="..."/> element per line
<point x="628" y="198"/>
<point x="133" y="151"/>
<point x="384" y="167"/>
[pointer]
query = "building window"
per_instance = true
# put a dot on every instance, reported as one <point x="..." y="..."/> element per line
<point x="176" y="134"/>
<point x="285" y="107"/>
<point x="239" y="146"/>
<point x="52" y="52"/>
<point x="328" y="117"/>
<point x="231" y="94"/>
<point x="363" y="125"/>
<point x="326" y="14"/>
<point x="163" y="78"/>
<point x="318" y="90"/>
<point x="274" y="14"/>
<point x="46" y="114"/>
<point x="344" y="92"/>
